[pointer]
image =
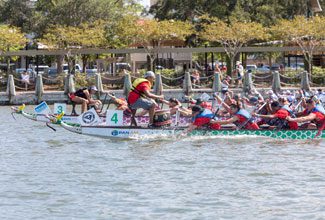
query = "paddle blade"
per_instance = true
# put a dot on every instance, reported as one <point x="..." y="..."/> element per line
<point x="320" y="130"/>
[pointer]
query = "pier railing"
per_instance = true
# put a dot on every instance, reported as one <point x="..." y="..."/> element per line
<point x="274" y="80"/>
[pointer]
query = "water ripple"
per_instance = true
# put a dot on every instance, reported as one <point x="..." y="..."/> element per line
<point x="60" y="175"/>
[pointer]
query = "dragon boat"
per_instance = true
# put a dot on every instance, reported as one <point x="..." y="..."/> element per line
<point x="73" y="119"/>
<point x="129" y="132"/>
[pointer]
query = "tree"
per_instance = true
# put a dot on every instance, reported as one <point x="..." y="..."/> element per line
<point x="17" y="13"/>
<point x="309" y="34"/>
<point x="11" y="39"/>
<point x="261" y="11"/>
<point x="88" y="35"/>
<point x="232" y="36"/>
<point x="76" y="12"/>
<point x="148" y="33"/>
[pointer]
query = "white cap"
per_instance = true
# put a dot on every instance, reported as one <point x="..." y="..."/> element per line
<point x="270" y="92"/>
<point x="238" y="62"/>
<point x="93" y="88"/>
<point x="149" y="74"/>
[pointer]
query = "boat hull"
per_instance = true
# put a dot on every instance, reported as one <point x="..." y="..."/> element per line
<point x="72" y="119"/>
<point x="132" y="132"/>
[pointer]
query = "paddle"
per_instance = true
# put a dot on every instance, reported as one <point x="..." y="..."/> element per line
<point x="47" y="124"/>
<point x="260" y="108"/>
<point x="297" y="106"/>
<point x="110" y="100"/>
<point x="219" y="105"/>
<point x="104" y="102"/>
<point x="245" y="123"/>
<point x="320" y="130"/>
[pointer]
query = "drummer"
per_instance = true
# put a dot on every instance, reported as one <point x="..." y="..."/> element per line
<point x="141" y="97"/>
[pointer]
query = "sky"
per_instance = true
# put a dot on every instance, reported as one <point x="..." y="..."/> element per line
<point x="145" y="2"/>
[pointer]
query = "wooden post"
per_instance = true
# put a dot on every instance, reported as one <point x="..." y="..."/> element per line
<point x="39" y="88"/>
<point x="11" y="90"/>
<point x="187" y="84"/>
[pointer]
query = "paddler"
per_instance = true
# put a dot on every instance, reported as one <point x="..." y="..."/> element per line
<point x="84" y="97"/>
<point x="141" y="97"/>
<point x="201" y="118"/>
<point x="175" y="105"/>
<point x="240" y="117"/>
<point x="121" y="104"/>
<point x="203" y="104"/>
<point x="314" y="114"/>
<point x="280" y="113"/>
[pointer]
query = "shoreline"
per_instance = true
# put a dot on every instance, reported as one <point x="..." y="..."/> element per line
<point x="51" y="97"/>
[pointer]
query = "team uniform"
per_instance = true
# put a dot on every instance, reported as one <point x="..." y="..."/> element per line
<point x="204" y="118"/>
<point x="319" y="111"/>
<point x="245" y="120"/>
<point x="281" y="116"/>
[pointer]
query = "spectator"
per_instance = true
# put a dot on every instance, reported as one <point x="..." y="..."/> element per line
<point x="240" y="73"/>
<point x="226" y="82"/>
<point x="223" y="68"/>
<point x="196" y="77"/>
<point x="25" y="79"/>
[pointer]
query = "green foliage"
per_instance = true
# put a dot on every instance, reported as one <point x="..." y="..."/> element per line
<point x="261" y="11"/>
<point x="37" y="16"/>
<point x="167" y="72"/>
<point x="84" y="36"/>
<point x="81" y="80"/>
<point x="11" y="38"/>
<point x="318" y="75"/>
<point x="16" y="13"/>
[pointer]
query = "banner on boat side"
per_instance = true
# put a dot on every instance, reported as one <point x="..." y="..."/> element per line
<point x="59" y="108"/>
<point x="43" y="108"/>
<point x="114" y="118"/>
<point x="89" y="118"/>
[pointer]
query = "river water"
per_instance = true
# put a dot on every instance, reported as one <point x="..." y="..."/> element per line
<point x="61" y="175"/>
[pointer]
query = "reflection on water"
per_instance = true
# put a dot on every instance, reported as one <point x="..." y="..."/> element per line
<point x="60" y="175"/>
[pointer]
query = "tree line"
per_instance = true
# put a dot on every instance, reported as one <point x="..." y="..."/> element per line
<point x="65" y="24"/>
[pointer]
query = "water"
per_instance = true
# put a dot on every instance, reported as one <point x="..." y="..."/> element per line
<point x="61" y="175"/>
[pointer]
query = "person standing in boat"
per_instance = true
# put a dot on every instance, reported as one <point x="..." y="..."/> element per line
<point x="201" y="117"/>
<point x="240" y="117"/>
<point x="314" y="114"/>
<point x="279" y="116"/>
<point x="141" y="97"/>
<point x="84" y="97"/>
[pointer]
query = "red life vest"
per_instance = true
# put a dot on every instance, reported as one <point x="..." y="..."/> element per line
<point x="135" y="92"/>
<point x="320" y="115"/>
<point x="244" y="118"/>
